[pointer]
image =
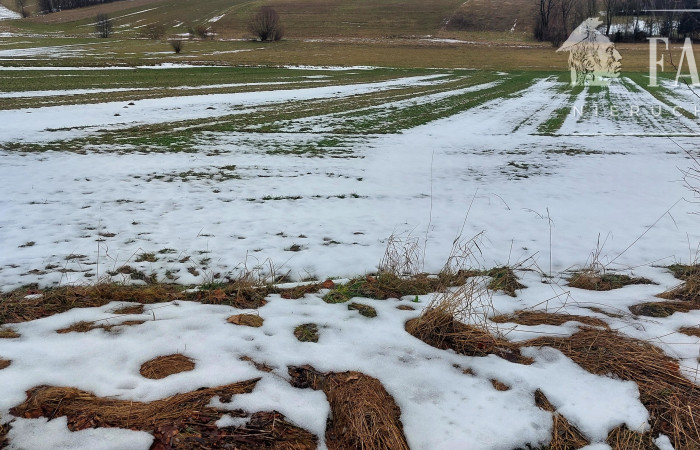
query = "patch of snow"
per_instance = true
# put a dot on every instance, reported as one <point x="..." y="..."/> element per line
<point x="6" y="13"/>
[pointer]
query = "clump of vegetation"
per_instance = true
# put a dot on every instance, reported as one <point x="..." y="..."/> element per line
<point x="146" y="257"/>
<point x="249" y="320"/>
<point x="307" y="332"/>
<point x="504" y="279"/>
<point x="154" y="31"/>
<point x="671" y="399"/>
<point x="8" y="333"/>
<point x="176" y="44"/>
<point x="4" y="363"/>
<point x="164" y="366"/>
<point x="363" y="414"/>
<point x="603" y="281"/>
<point x="364" y="310"/>
<point x="689" y="290"/>
<point x="565" y="436"/>
<point x="533" y="318"/>
<point x="265" y="24"/>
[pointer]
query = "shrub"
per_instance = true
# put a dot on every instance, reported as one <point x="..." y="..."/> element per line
<point x="265" y="24"/>
<point x="154" y="31"/>
<point x="176" y="44"/>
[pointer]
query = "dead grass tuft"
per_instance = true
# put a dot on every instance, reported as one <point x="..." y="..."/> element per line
<point x="593" y="280"/>
<point x="690" y="331"/>
<point x="689" y="290"/>
<point x="622" y="438"/>
<point x="8" y="333"/>
<point x="248" y="320"/>
<point x="672" y="400"/>
<point x="4" y="363"/>
<point x="382" y="286"/>
<point x="363" y="414"/>
<point x="364" y="310"/>
<point x="183" y="421"/>
<point x="300" y="291"/>
<point x="504" y="279"/>
<point x="307" y="332"/>
<point x="163" y="366"/>
<point x="497" y="385"/>
<point x="4" y="430"/>
<point x="406" y="308"/>
<point x="544" y="318"/>
<point x="564" y="435"/>
<point x="661" y="309"/>
<point x="258" y="365"/>
<point x="440" y="330"/>
<point x="84" y="327"/>
<point x="136" y="309"/>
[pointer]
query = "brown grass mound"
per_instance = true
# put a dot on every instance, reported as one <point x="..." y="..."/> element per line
<point x="85" y="410"/>
<point x="183" y="421"/>
<point x="306" y="332"/>
<point x="499" y="386"/>
<point x="84" y="327"/>
<point x="136" y="309"/>
<point x="14" y="308"/>
<point x="543" y="318"/>
<point x="163" y="366"/>
<point x="300" y="291"/>
<point x="8" y="333"/>
<point x="363" y="414"/>
<point x="248" y="320"/>
<point x="689" y="291"/>
<point x="440" y="330"/>
<point x="595" y="281"/>
<point x="258" y="365"/>
<point x="661" y="309"/>
<point x="364" y="310"/>
<point x="564" y="435"/>
<point x="4" y="363"/>
<point x="383" y="286"/>
<point x="504" y="279"/>
<point x="673" y="402"/>
<point x="622" y="438"/>
<point x="4" y="429"/>
<point x="690" y="331"/>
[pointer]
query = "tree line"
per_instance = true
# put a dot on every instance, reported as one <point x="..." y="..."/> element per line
<point x="623" y="20"/>
<point x="48" y="6"/>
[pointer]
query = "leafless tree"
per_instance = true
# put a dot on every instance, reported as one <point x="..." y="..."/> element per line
<point x="21" y="5"/>
<point x="265" y="24"/>
<point x="610" y="7"/>
<point x="103" y="25"/>
<point x="565" y="9"/>
<point x="176" y="44"/>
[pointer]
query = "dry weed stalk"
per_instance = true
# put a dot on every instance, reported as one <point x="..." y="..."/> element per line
<point x="402" y="256"/>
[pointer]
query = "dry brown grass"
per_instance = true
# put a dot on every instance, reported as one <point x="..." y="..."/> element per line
<point x="661" y="309"/>
<point x="689" y="290"/>
<point x="84" y="327"/>
<point x="622" y="438"/>
<point x="440" y="330"/>
<point x="258" y="365"/>
<point x="690" y="331"/>
<point x="8" y="333"/>
<point x="125" y="310"/>
<point x="4" y="429"/>
<point x="248" y="320"/>
<point x="564" y="435"/>
<point x="4" y="363"/>
<point x="593" y="280"/>
<point x="504" y="279"/>
<point x="499" y="386"/>
<point x="163" y="366"/>
<point x="14" y="308"/>
<point x="363" y="414"/>
<point x="544" y="318"/>
<point x="85" y="410"/>
<point x="672" y="400"/>
<point x="306" y="332"/>
<point x="183" y="421"/>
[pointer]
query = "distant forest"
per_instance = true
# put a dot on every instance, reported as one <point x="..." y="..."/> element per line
<point x="47" y="6"/>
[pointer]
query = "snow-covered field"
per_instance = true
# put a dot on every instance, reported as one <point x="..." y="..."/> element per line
<point x="314" y="195"/>
<point x="247" y="196"/>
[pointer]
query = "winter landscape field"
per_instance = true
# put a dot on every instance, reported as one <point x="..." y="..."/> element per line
<point x="239" y="246"/>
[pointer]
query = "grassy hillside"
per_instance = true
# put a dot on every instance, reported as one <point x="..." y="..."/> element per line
<point x="301" y="18"/>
